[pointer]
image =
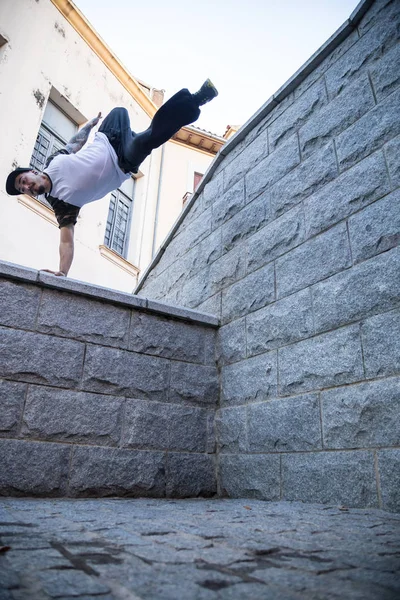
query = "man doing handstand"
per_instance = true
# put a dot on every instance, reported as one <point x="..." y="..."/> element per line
<point x="74" y="176"/>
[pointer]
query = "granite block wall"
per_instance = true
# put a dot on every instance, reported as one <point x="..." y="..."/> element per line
<point x="292" y="241"/>
<point x="102" y="393"/>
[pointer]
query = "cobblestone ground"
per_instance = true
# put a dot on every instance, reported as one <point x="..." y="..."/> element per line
<point x="196" y="549"/>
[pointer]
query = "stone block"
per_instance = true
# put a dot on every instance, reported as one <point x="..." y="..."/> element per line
<point x="33" y="468"/>
<point x="304" y="180"/>
<point x="361" y="416"/>
<point x="367" y="288"/>
<point x="231" y="344"/>
<point x="67" y="416"/>
<point x="19" y="304"/>
<point x="212" y="305"/>
<point x="381" y="344"/>
<point x="246" y="222"/>
<point x="285" y="425"/>
<point x="167" y="337"/>
<point x="309" y="104"/>
<point x="368" y="49"/>
<point x="118" y="372"/>
<point x="249" y="294"/>
<point x="389" y="475"/>
<point x="83" y="319"/>
<point x="12" y="397"/>
<point x="116" y="472"/>
<point x="369" y="133"/>
<point x="250" y="476"/>
<point x="190" y="475"/>
<point x="282" y="323"/>
<point x="337" y="116"/>
<point x="375" y="229"/>
<point x="359" y="186"/>
<point x="228" y="204"/>
<point x="250" y="157"/>
<point x="379" y="10"/>
<point x="226" y="271"/>
<point x="193" y="384"/>
<point x="71" y="583"/>
<point x="249" y="380"/>
<point x="211" y="433"/>
<point x="182" y="313"/>
<point x="316" y="259"/>
<point x="213" y="190"/>
<point x="13" y="271"/>
<point x="161" y="426"/>
<point x="346" y="478"/>
<point x="38" y="358"/>
<point x="197" y="290"/>
<point x="232" y="429"/>
<point x="209" y="250"/>
<point x="385" y="73"/>
<point x="272" y="168"/>
<point x="323" y="361"/>
<point x="392" y="151"/>
<point x="276" y="239"/>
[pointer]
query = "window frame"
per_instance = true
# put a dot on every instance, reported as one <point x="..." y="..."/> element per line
<point x="108" y="242"/>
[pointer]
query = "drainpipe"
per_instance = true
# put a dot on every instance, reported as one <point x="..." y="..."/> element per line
<point x="160" y="177"/>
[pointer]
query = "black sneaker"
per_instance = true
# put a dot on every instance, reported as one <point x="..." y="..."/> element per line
<point x="207" y="92"/>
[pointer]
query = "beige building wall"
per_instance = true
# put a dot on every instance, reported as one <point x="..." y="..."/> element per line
<point x="43" y="56"/>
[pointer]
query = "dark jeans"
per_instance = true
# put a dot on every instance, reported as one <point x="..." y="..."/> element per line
<point x="132" y="148"/>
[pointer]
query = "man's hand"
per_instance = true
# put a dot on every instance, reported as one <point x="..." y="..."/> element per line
<point x="56" y="273"/>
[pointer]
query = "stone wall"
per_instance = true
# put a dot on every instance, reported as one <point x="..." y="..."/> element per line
<point x="292" y="241"/>
<point x="103" y="393"/>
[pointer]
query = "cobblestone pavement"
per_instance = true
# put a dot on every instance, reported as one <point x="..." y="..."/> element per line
<point x="196" y="549"/>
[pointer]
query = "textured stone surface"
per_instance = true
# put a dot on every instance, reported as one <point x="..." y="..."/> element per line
<point x="375" y="229"/>
<point x="225" y="271"/>
<point x="364" y="183"/>
<point x="157" y="426"/>
<point x="116" y="472"/>
<point x="285" y="425"/>
<point x="167" y="338"/>
<point x="198" y="549"/>
<point x="31" y="468"/>
<point x="249" y="158"/>
<point x="190" y="475"/>
<point x="392" y="152"/>
<point x="363" y="415"/>
<point x="283" y="322"/>
<point x="118" y="372"/>
<point x="381" y="344"/>
<point x="364" y="290"/>
<point x="385" y="74"/>
<point x="83" y="319"/>
<point x="19" y="304"/>
<point x="339" y="114"/>
<point x="194" y="384"/>
<point x="249" y="380"/>
<point x="228" y="204"/>
<point x="276" y="239"/>
<point x="272" y="168"/>
<point x="323" y="361"/>
<point x="245" y="223"/>
<point x="370" y="132"/>
<point x="250" y="476"/>
<point x="314" y="260"/>
<point x="339" y="477"/>
<point x="232" y="429"/>
<point x="389" y="470"/>
<point x="231" y="345"/>
<point x="40" y="358"/>
<point x="12" y="397"/>
<point x="249" y="294"/>
<point x="64" y="415"/>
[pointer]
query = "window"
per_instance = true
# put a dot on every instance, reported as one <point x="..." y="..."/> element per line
<point x="117" y="234"/>
<point x="196" y="179"/>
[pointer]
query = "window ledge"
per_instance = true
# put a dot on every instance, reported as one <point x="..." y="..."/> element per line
<point x="118" y="260"/>
<point x="38" y="207"/>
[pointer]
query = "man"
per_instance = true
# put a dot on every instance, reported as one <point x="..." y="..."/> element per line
<point x="74" y="177"/>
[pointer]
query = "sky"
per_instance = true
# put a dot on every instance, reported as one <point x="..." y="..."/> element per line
<point x="248" y="48"/>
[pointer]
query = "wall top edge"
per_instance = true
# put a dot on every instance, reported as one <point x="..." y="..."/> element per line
<point x="294" y="81"/>
<point x="14" y="272"/>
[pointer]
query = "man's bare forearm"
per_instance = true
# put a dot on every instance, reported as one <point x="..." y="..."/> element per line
<point x="80" y="138"/>
<point x="66" y="249"/>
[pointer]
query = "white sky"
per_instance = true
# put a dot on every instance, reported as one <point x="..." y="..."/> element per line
<point x="249" y="48"/>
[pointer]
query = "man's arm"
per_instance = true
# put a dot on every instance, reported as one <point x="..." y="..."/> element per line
<point x="66" y="251"/>
<point x="80" y="138"/>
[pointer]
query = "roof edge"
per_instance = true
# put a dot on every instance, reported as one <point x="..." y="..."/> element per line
<point x="337" y="38"/>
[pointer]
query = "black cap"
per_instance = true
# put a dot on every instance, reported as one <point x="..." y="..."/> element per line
<point x="10" y="183"/>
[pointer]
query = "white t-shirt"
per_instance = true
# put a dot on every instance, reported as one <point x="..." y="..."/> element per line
<point x="87" y="175"/>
